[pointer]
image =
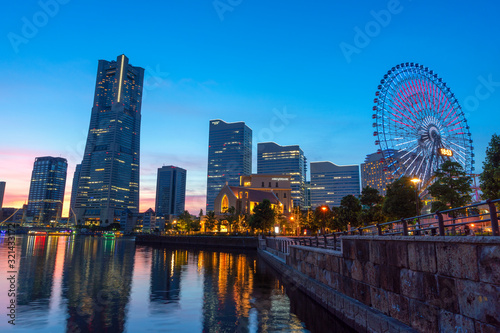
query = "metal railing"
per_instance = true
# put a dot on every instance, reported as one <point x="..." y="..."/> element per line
<point x="434" y="224"/>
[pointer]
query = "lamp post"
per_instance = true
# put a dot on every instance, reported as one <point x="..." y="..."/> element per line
<point x="324" y="208"/>
<point x="415" y="181"/>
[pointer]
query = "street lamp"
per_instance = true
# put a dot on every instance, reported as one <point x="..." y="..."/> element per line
<point x="324" y="208"/>
<point x="415" y="181"/>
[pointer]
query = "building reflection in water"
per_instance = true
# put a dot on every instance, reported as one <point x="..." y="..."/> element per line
<point x="90" y="284"/>
<point x="35" y="280"/>
<point x="96" y="283"/>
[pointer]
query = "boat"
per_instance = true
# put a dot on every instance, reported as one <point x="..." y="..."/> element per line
<point x="60" y="233"/>
<point x="37" y="233"/>
<point x="109" y="235"/>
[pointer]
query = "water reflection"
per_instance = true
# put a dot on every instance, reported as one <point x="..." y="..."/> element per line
<point x="88" y="284"/>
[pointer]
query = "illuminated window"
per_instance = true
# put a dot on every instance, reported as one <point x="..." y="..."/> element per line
<point x="224" y="206"/>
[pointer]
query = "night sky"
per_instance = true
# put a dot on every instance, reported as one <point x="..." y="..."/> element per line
<point x="296" y="72"/>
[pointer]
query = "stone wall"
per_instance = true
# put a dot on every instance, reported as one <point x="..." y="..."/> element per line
<point x="432" y="284"/>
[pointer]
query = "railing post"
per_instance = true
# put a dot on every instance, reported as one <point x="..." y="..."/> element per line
<point x="317" y="241"/>
<point x="310" y="242"/>
<point x="360" y="231"/>
<point x="324" y="235"/>
<point x="334" y="241"/>
<point x="379" y="229"/>
<point x="405" y="227"/>
<point x="440" y="223"/>
<point x="493" y="218"/>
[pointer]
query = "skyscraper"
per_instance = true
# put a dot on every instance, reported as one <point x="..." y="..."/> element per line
<point x="46" y="196"/>
<point x="2" y="192"/>
<point x="109" y="176"/>
<point x="330" y="183"/>
<point x="229" y="156"/>
<point x="375" y="172"/>
<point x="74" y="190"/>
<point x="170" y="191"/>
<point x="288" y="160"/>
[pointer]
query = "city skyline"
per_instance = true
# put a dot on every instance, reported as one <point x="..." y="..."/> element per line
<point x="310" y="84"/>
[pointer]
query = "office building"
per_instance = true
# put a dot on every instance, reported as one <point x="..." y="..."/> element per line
<point x="287" y="160"/>
<point x="229" y="156"/>
<point x="375" y="172"/>
<point x="307" y="196"/>
<point x="330" y="183"/>
<point x="46" y="195"/>
<point x="170" y="191"/>
<point x="109" y="175"/>
<point x="74" y="190"/>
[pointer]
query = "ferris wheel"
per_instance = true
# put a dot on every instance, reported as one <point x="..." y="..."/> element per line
<point x="419" y="124"/>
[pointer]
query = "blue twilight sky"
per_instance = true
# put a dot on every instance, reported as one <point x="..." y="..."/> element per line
<point x="278" y="66"/>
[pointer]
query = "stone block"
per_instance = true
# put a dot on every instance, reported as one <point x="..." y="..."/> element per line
<point x="357" y="270"/>
<point x="431" y="291"/>
<point x="321" y="260"/>
<point x="399" y="307"/>
<point x="424" y="317"/>
<point x="349" y="248"/>
<point x="378" y="253"/>
<point x="489" y="264"/>
<point x="346" y="286"/>
<point x="457" y="260"/>
<point x="412" y="284"/>
<point x="334" y="263"/>
<point x="480" y="301"/>
<point x="422" y="256"/>
<point x="347" y="267"/>
<point x="362" y="292"/>
<point x="334" y="280"/>
<point x="452" y="322"/>
<point x="379" y="300"/>
<point x="362" y="250"/>
<point x="372" y="274"/>
<point x="360" y="319"/>
<point x="397" y="253"/>
<point x="390" y="279"/>
<point x="485" y="328"/>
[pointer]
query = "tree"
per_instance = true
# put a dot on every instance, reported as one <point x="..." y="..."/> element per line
<point x="451" y="187"/>
<point x="307" y="221"/>
<point x="490" y="178"/>
<point x="210" y="221"/>
<point x="400" y="199"/>
<point x="371" y="203"/>
<point x="263" y="217"/>
<point x="184" y="221"/>
<point x="231" y="217"/>
<point x="322" y="217"/>
<point x="348" y="211"/>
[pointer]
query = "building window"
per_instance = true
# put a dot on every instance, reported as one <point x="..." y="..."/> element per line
<point x="270" y="184"/>
<point x="276" y="184"/>
<point x="262" y="184"/>
<point x="224" y="206"/>
<point x="284" y="195"/>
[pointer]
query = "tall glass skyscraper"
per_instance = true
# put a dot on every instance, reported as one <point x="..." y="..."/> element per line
<point x="331" y="182"/>
<point x="288" y="160"/>
<point x="109" y="176"/>
<point x="170" y="191"/>
<point x="229" y="156"/>
<point x="74" y="190"/>
<point x="46" y="196"/>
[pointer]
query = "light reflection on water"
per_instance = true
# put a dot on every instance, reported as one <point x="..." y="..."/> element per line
<point x="89" y="284"/>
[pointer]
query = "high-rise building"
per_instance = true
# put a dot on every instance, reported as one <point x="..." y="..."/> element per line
<point x="74" y="190"/>
<point x="170" y="191"/>
<point x="375" y="172"/>
<point x="46" y="196"/>
<point x="287" y="160"/>
<point x="330" y="183"/>
<point x="2" y="193"/>
<point x="307" y="195"/>
<point x="109" y="176"/>
<point x="229" y="156"/>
